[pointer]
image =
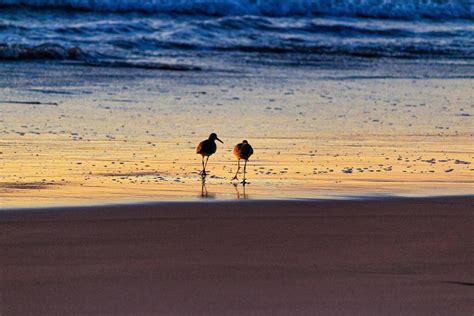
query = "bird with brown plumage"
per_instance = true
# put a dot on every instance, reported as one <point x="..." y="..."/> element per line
<point x="206" y="148"/>
<point x="243" y="151"/>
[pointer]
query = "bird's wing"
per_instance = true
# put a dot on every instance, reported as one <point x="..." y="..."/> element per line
<point x="199" y="147"/>
<point x="237" y="151"/>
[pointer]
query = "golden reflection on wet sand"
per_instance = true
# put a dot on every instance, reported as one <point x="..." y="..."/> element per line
<point x="312" y="139"/>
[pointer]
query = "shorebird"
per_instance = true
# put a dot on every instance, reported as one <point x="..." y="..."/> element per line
<point x="242" y="151"/>
<point x="206" y="148"/>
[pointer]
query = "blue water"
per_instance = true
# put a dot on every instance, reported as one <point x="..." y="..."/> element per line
<point x="182" y="35"/>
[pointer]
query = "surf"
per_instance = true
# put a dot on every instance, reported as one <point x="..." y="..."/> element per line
<point x="394" y="9"/>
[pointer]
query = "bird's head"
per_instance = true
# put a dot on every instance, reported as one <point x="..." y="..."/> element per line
<point x="214" y="137"/>
<point x="245" y="141"/>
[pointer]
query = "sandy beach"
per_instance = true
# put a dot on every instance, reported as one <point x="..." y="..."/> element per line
<point x="108" y="135"/>
<point x="359" y="257"/>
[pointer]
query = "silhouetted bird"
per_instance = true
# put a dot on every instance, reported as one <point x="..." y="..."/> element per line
<point x="242" y="151"/>
<point x="206" y="148"/>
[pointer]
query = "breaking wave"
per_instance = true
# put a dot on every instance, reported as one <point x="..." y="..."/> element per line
<point x="43" y="51"/>
<point x="191" y="42"/>
<point x="406" y="9"/>
<point x="50" y="51"/>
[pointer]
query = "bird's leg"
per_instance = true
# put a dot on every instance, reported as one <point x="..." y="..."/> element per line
<point x="238" y="168"/>
<point x="203" y="171"/>
<point x="245" y="170"/>
<point x="207" y="159"/>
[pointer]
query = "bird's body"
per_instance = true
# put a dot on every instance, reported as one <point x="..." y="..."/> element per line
<point x="206" y="148"/>
<point x="243" y="151"/>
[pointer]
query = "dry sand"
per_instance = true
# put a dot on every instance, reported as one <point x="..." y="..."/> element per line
<point x="378" y="257"/>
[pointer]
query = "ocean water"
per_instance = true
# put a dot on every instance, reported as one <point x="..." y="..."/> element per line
<point x="203" y="35"/>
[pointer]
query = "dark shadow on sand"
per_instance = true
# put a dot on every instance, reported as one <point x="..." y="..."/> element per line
<point x="459" y="283"/>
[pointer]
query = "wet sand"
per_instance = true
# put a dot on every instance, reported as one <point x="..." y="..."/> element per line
<point x="108" y="135"/>
<point x="367" y="257"/>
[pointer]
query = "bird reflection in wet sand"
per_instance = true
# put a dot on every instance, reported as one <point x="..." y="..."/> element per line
<point x="243" y="151"/>
<point x="206" y="148"/>
<point x="239" y="195"/>
<point x="204" y="193"/>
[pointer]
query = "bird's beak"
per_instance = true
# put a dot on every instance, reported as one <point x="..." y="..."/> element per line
<point x="219" y="140"/>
